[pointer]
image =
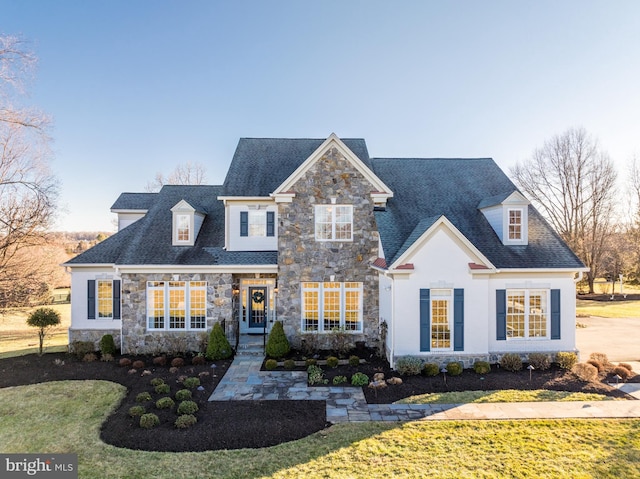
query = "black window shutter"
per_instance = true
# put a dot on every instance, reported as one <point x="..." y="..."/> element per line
<point x="244" y="223"/>
<point x="271" y="221"/>
<point x="91" y="299"/>
<point x="501" y="314"/>
<point x="555" y="314"/>
<point x="425" y="320"/>
<point x="458" y="319"/>
<point x="116" y="299"/>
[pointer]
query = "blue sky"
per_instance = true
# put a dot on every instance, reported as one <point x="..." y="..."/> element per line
<point x="136" y="87"/>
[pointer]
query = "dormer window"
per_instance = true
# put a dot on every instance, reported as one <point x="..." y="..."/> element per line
<point x="508" y="215"/>
<point x="187" y="221"/>
<point x="515" y="224"/>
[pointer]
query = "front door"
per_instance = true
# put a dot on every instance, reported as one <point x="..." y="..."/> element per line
<point x="258" y="306"/>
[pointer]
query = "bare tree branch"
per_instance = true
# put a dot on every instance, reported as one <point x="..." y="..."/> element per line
<point x="572" y="182"/>
<point x="185" y="174"/>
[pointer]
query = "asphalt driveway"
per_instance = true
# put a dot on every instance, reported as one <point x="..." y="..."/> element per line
<point x="618" y="338"/>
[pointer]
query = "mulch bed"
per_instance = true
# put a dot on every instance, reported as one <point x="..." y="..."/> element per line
<point x="252" y="424"/>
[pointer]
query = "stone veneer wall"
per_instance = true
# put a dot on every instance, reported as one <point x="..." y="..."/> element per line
<point x="302" y="258"/>
<point x="94" y="335"/>
<point x="138" y="340"/>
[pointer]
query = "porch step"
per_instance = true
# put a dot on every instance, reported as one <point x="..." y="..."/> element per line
<point x="250" y="346"/>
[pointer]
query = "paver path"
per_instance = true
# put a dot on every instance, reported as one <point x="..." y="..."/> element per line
<point x="244" y="381"/>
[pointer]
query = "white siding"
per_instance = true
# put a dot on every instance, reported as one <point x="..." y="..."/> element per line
<point x="79" y="316"/>
<point x="249" y="243"/>
<point x="125" y="219"/>
<point x="495" y="217"/>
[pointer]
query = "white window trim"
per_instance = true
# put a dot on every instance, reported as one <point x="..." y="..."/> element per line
<point x="524" y="230"/>
<point x="189" y="218"/>
<point x="333" y="223"/>
<point x="446" y="294"/>
<point x="527" y="296"/>
<point x="166" y="306"/>
<point x="253" y="215"/>
<point x="321" y="295"/>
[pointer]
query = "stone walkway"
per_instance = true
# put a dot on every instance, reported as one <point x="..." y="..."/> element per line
<point x="244" y="381"/>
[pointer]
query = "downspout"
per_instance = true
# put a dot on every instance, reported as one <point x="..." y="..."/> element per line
<point x="579" y="278"/>
<point x="393" y="327"/>
<point x="117" y="271"/>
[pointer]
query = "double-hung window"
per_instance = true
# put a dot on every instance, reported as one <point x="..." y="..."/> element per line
<point x="257" y="223"/>
<point x="105" y="299"/>
<point x="328" y="306"/>
<point x="177" y="305"/>
<point x="334" y="222"/>
<point x="183" y="228"/>
<point x="441" y="316"/>
<point x="527" y="314"/>
<point x="515" y="224"/>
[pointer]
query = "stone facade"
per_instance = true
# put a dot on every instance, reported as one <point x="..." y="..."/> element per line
<point x="94" y="335"/>
<point x="302" y="258"/>
<point x="139" y="340"/>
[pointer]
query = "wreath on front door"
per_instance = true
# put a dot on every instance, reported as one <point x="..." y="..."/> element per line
<point x="258" y="297"/>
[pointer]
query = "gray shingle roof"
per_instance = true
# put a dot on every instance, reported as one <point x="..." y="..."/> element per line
<point x="424" y="189"/>
<point x="260" y="165"/>
<point x="149" y="240"/>
<point x="134" y="201"/>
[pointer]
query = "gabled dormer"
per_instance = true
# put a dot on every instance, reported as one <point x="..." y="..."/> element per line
<point x="186" y="223"/>
<point x="130" y="207"/>
<point x="508" y="215"/>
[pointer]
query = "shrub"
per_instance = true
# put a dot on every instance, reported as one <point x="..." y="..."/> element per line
<point x="143" y="397"/>
<point x="482" y="367"/>
<point x="626" y="366"/>
<point x="511" y="362"/>
<point x="162" y="389"/>
<point x="107" y="345"/>
<point x="270" y="364"/>
<point x="157" y="382"/>
<point x="339" y="380"/>
<point x="165" y="403"/>
<point x="177" y="362"/>
<point x="585" y="372"/>
<point x="106" y="357"/>
<point x="289" y="364"/>
<point x="601" y="357"/>
<point x="354" y="361"/>
<point x="136" y="411"/>
<point x="540" y="361"/>
<point x="191" y="383"/>
<point x="310" y="362"/>
<point x="80" y="348"/>
<point x="138" y="364"/>
<point x="454" y="368"/>
<point x="624" y="373"/>
<point x="43" y="319"/>
<point x="597" y="364"/>
<point x="185" y="421"/>
<point x="566" y="360"/>
<point x="218" y="346"/>
<point x="160" y="361"/>
<point x="183" y="395"/>
<point x="198" y="360"/>
<point x="149" y="420"/>
<point x="409" y="365"/>
<point x="277" y="343"/>
<point x="187" y="407"/>
<point x="431" y="369"/>
<point x="315" y="375"/>
<point x="359" y="379"/>
<point x="90" y="357"/>
<point x="332" y="362"/>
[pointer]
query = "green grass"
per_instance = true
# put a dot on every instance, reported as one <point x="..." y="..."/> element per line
<point x="74" y="411"/>
<point x="507" y="395"/>
<point x="608" y="309"/>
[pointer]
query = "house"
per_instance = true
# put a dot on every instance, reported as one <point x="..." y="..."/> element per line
<point x="439" y="258"/>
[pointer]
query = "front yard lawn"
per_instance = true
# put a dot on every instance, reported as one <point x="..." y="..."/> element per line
<point x="75" y="410"/>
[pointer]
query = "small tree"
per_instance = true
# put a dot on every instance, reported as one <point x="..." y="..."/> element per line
<point x="277" y="344"/>
<point x="43" y="318"/>
<point x="218" y="347"/>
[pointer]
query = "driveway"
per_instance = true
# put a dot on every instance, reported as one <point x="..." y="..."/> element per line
<point x="618" y="338"/>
